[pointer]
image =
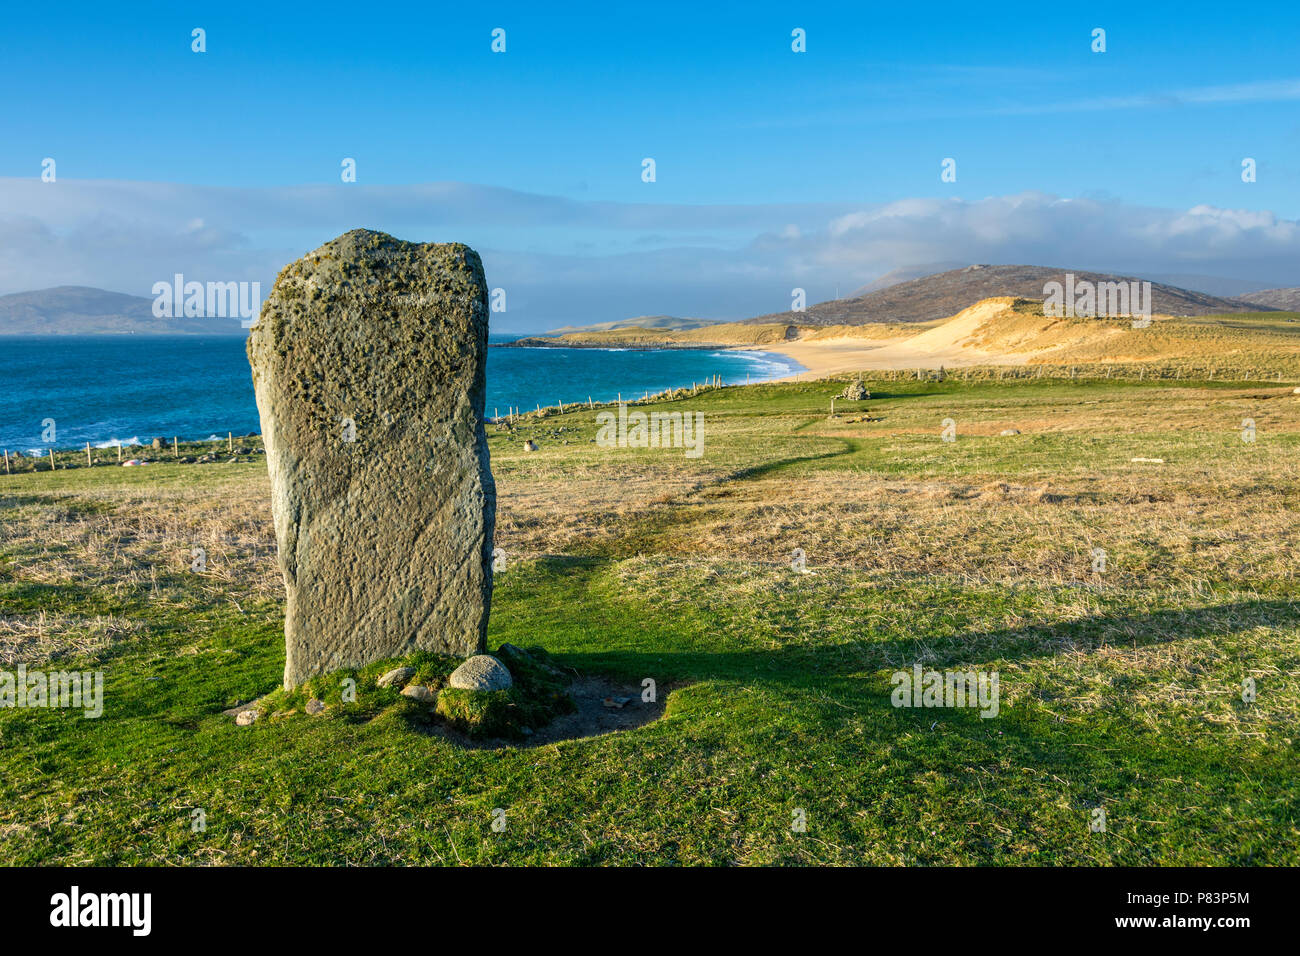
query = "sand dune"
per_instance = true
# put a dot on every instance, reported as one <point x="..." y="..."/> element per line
<point x="1009" y="331"/>
<point x="952" y="344"/>
<point x="996" y="331"/>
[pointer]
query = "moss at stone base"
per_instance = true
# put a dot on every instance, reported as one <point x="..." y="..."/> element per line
<point x="479" y="713"/>
<point x="500" y="713"/>
<point x="537" y="697"/>
<point x="353" y="692"/>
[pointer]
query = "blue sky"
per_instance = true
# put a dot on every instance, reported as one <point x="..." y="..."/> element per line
<point x="557" y="127"/>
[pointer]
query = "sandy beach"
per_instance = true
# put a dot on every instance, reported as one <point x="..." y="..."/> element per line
<point x="825" y="357"/>
<point x="948" y="345"/>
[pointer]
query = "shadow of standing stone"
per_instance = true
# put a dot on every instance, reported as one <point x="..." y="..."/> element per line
<point x="369" y="369"/>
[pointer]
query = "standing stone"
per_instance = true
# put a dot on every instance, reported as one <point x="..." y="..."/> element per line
<point x="369" y="369"/>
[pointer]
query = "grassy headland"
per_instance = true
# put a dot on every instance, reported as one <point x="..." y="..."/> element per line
<point x="1120" y="690"/>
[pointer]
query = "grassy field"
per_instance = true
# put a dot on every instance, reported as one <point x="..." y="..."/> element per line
<point x="1120" y="690"/>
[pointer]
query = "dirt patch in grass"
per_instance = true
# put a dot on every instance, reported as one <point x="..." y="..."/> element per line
<point x="592" y="718"/>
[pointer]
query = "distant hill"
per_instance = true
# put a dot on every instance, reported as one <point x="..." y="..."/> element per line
<point x="1287" y="300"/>
<point x="81" y="310"/>
<point x="943" y="294"/>
<point x="640" y="322"/>
<point x="1213" y="285"/>
<point x="905" y="274"/>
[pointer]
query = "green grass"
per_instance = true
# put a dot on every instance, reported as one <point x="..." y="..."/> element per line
<point x="1121" y="691"/>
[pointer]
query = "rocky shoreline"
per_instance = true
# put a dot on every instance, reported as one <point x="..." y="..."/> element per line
<point x="548" y="343"/>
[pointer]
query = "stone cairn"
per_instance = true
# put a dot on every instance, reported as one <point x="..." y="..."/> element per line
<point x="855" y="391"/>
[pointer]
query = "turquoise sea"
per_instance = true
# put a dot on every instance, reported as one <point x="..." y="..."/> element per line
<point x="106" y="389"/>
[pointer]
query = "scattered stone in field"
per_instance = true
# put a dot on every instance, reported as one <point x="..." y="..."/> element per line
<point x="481" y="672"/>
<point x="315" y="706"/>
<point x="239" y="707"/>
<point x="1010" y="431"/>
<point x="1153" y="461"/>
<point x="1295" y="391"/>
<point x="396" y="677"/>
<point x="530" y="445"/>
<point x="368" y="365"/>
<point x="417" y="692"/>
<point x="246" y="717"/>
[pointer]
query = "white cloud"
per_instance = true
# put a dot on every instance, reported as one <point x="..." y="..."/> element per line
<point x="1270" y="91"/>
<point x="564" y="260"/>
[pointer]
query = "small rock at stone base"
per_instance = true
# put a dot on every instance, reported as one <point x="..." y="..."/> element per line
<point x="481" y="672"/>
<point x="396" y="677"/>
